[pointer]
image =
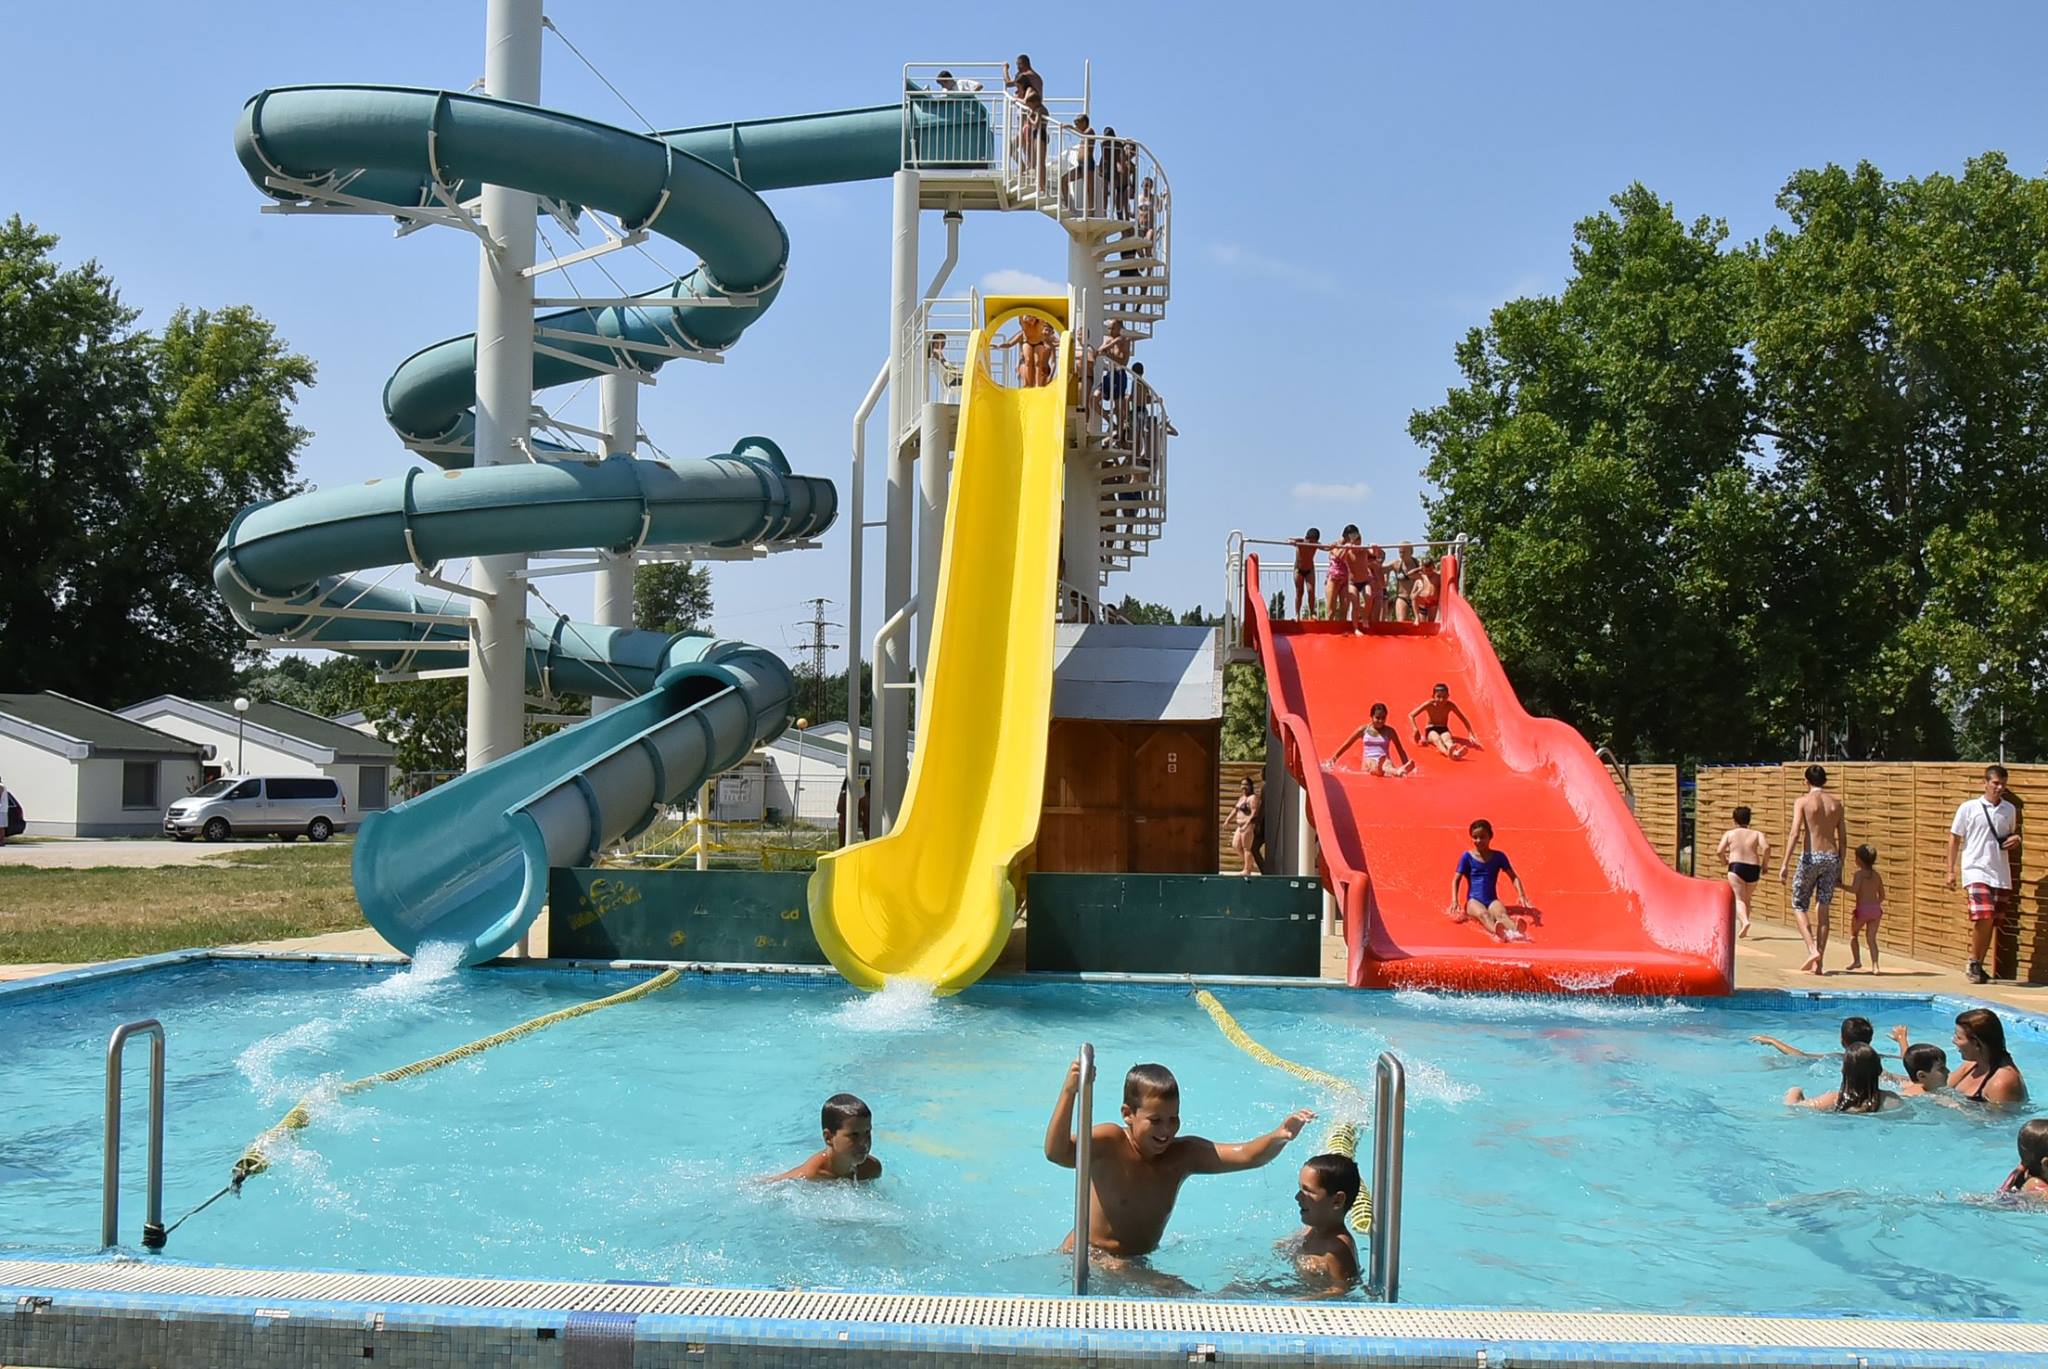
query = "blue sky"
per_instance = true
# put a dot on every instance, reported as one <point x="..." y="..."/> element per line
<point x="1355" y="186"/>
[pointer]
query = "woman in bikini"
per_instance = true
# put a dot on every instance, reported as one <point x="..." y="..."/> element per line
<point x="1987" y="1074"/>
<point x="1245" y="817"/>
<point x="1372" y="591"/>
<point x="1423" y="589"/>
<point x="1375" y="741"/>
<point x="1861" y="1090"/>
<point x="1343" y="596"/>
<point x="1745" y="851"/>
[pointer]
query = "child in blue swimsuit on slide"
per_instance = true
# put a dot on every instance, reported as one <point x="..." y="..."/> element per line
<point x="1480" y="870"/>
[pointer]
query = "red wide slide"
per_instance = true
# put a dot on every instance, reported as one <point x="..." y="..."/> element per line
<point x="1610" y="917"/>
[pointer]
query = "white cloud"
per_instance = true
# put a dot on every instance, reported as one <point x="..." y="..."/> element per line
<point x="1011" y="281"/>
<point x="1309" y="492"/>
<point x="1231" y="256"/>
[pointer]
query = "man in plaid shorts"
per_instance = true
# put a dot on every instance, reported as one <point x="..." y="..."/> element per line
<point x="1820" y="836"/>
<point x="1985" y="834"/>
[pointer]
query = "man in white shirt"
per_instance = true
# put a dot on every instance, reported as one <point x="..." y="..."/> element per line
<point x="1985" y="833"/>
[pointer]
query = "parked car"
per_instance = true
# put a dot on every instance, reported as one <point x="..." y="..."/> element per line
<point x="239" y="805"/>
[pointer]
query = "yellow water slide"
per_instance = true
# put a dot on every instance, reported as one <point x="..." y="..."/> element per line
<point x="934" y="899"/>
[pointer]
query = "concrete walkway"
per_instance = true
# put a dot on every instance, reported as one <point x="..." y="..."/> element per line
<point x="83" y="853"/>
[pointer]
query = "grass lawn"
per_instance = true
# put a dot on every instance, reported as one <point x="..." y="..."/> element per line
<point x="260" y="894"/>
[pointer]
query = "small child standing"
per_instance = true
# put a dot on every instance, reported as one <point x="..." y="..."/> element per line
<point x="1325" y="1251"/>
<point x="1868" y="888"/>
<point x="849" y="1138"/>
<point x="1305" y="548"/>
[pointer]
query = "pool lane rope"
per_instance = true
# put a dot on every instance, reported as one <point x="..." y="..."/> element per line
<point x="256" y="1158"/>
<point x="1343" y="1138"/>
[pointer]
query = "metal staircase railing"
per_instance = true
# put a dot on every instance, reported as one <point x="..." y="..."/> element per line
<point x="153" y="1233"/>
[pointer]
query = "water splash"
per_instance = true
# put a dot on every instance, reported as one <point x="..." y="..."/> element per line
<point x="1528" y="1007"/>
<point x="433" y="963"/>
<point x="902" y="1005"/>
<point x="1587" y="981"/>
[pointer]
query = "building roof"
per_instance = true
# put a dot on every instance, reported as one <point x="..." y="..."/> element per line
<point x="79" y="730"/>
<point x="320" y="740"/>
<point x="1131" y="672"/>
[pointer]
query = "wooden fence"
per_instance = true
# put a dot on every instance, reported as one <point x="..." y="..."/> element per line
<point x="1904" y="811"/>
<point x="1656" y="805"/>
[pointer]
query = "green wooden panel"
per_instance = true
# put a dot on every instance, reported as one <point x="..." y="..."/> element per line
<point x="1174" y="924"/>
<point x="732" y="916"/>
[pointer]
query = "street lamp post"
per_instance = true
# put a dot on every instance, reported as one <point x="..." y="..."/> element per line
<point x="797" y="801"/>
<point x="241" y="711"/>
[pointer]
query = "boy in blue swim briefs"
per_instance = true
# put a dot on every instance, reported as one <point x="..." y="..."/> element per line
<point x="1479" y="870"/>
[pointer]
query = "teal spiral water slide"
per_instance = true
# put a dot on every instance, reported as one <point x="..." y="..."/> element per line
<point x="467" y="863"/>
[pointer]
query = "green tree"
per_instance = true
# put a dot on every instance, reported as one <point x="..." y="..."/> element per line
<point x="672" y="596"/>
<point x="122" y="455"/>
<point x="1244" y="713"/>
<point x="339" y="684"/>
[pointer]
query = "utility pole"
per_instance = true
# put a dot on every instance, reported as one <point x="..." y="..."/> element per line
<point x="817" y="624"/>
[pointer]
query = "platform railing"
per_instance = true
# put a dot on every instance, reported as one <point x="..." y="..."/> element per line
<point x="1084" y="1137"/>
<point x="966" y="120"/>
<point x="1389" y="1127"/>
<point x="153" y="1233"/>
<point x="1276" y="569"/>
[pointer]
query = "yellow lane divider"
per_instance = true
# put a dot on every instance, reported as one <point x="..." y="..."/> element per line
<point x="257" y="1159"/>
<point x="1343" y="1138"/>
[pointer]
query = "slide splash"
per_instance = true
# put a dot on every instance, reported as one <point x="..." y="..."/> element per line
<point x="934" y="899"/>
<point x="1611" y="917"/>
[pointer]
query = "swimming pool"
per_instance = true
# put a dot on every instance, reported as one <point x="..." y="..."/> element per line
<point x="1562" y="1154"/>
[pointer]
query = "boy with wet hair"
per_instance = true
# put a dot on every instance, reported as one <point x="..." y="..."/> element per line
<point x="1926" y="1065"/>
<point x="849" y="1128"/>
<point x="1136" y="1169"/>
<point x="1325" y="1251"/>
<point x="1437" y="730"/>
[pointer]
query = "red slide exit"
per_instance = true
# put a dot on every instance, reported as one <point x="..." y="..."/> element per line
<point x="1611" y="917"/>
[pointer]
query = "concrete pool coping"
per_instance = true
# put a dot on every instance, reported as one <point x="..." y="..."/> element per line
<point x="122" y="1311"/>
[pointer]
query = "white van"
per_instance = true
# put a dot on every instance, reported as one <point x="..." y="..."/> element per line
<point x="238" y="805"/>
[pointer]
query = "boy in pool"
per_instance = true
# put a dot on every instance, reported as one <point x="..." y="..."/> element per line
<point x="1480" y="870"/>
<point x="1856" y="1031"/>
<point x="849" y="1138"/>
<point x="1136" y="1169"/>
<point x="1324" y="1252"/>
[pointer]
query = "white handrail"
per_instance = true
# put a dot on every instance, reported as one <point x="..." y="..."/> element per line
<point x="1084" y="1134"/>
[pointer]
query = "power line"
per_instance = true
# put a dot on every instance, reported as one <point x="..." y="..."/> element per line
<point x="817" y="647"/>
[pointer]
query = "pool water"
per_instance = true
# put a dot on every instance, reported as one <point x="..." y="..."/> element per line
<point x="1577" y="1154"/>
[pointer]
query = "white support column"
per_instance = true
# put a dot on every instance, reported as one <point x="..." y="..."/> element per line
<point x="618" y="413"/>
<point x="504" y="395"/>
<point x="1081" y="527"/>
<point x="936" y="429"/>
<point x="892" y="706"/>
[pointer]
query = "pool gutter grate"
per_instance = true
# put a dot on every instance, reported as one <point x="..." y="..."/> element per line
<point x="622" y="1302"/>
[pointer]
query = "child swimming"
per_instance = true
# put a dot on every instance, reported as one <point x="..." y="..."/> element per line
<point x="1861" y="1090"/>
<point x="849" y="1137"/>
<point x="1480" y="869"/>
<point x="1325" y="1252"/>
<point x="1867" y="886"/>
<point x="2029" y="1178"/>
<point x="1375" y="739"/>
<point x="1136" y="1169"/>
<point x="1856" y="1031"/>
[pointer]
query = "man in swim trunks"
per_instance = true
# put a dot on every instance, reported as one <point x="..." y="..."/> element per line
<point x="1440" y="710"/>
<point x="1305" y="548"/>
<point x="1112" y="356"/>
<point x="1819" y="831"/>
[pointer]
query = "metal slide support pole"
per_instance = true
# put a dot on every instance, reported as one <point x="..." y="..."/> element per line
<point x="1081" y="525"/>
<point x="892" y="709"/>
<point x="504" y="395"/>
<point x="153" y="1234"/>
<point x="936" y="427"/>
<point x="856" y="518"/>
<point x="618" y="409"/>
<point x="1084" y="1134"/>
<point x="704" y="792"/>
<point x="1389" y="1127"/>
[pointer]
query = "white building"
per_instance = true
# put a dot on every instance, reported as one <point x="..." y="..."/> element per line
<point x="277" y="739"/>
<point x="805" y="771"/>
<point x="81" y="771"/>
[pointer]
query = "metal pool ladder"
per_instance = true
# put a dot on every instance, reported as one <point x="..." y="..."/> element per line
<point x="153" y="1233"/>
<point x="1084" y="1133"/>
<point x="1390" y="1109"/>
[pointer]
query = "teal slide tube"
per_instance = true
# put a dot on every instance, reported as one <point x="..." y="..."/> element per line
<point x="467" y="863"/>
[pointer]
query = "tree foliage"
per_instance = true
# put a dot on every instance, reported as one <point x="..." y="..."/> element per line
<point x="1737" y="503"/>
<point x="122" y="455"/>
<point x="672" y="596"/>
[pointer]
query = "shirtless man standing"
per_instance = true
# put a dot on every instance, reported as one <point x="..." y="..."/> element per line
<point x="1820" y="833"/>
<point x="1113" y="388"/>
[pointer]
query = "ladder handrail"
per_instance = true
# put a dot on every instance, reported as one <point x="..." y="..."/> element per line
<point x="1084" y="1133"/>
<point x="1390" y="1107"/>
<point x="153" y="1234"/>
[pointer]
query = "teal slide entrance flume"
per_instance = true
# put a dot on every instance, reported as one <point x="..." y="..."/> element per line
<point x="467" y="863"/>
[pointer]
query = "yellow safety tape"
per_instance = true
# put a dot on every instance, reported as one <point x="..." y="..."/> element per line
<point x="1343" y="1138"/>
<point x="256" y="1159"/>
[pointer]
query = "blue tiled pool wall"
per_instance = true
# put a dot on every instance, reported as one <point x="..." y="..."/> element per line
<point x="105" y="1332"/>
